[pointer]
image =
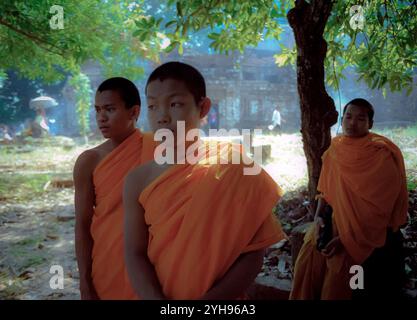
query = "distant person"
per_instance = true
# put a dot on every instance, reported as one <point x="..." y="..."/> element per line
<point x="276" y="121"/>
<point x="213" y="118"/>
<point x="98" y="178"/>
<point x="363" y="194"/>
<point x="40" y="125"/>
<point x="5" y="135"/>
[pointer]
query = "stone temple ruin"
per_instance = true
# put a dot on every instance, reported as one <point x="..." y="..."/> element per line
<point x="244" y="90"/>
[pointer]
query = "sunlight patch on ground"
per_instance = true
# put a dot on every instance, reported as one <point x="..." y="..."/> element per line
<point x="287" y="165"/>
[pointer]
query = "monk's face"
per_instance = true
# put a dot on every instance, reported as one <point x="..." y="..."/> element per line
<point x="170" y="101"/>
<point x="355" y="122"/>
<point x="112" y="117"/>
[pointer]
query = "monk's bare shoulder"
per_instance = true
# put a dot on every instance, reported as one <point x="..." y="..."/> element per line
<point x="89" y="159"/>
<point x="86" y="162"/>
<point x="135" y="180"/>
<point x="143" y="175"/>
<point x="102" y="150"/>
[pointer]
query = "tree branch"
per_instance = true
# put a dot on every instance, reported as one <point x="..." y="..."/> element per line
<point x="40" y="42"/>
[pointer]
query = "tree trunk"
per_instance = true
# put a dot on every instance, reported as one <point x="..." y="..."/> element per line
<point x="318" y="112"/>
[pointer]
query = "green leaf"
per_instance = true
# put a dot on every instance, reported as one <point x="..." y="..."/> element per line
<point x="143" y="36"/>
<point x="136" y="33"/>
<point x="274" y="13"/>
<point x="170" y="48"/>
<point x="213" y="36"/>
<point x="281" y="59"/>
<point x="140" y="22"/>
<point x="380" y="17"/>
<point x="170" y="23"/>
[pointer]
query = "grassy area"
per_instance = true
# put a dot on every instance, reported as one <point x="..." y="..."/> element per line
<point x="21" y="256"/>
<point x="22" y="187"/>
<point x="410" y="131"/>
<point x="406" y="140"/>
<point x="411" y="184"/>
<point x="30" y="241"/>
<point x="27" y="167"/>
<point x="10" y="289"/>
<point x="54" y="154"/>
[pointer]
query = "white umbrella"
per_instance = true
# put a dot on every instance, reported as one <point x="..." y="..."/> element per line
<point x="42" y="102"/>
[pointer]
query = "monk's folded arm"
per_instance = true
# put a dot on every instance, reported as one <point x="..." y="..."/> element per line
<point x="141" y="272"/>
<point x="84" y="210"/>
<point x="238" y="278"/>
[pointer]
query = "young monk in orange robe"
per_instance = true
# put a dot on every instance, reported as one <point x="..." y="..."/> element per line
<point x="363" y="180"/>
<point x="98" y="177"/>
<point x="194" y="231"/>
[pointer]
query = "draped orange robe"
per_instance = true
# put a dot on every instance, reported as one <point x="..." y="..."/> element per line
<point x="108" y="270"/>
<point x="364" y="181"/>
<point x="201" y="217"/>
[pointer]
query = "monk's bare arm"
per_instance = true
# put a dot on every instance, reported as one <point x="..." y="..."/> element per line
<point x="238" y="278"/>
<point x="321" y="203"/>
<point x="84" y="209"/>
<point x="335" y="244"/>
<point x="141" y="272"/>
<point x="318" y="218"/>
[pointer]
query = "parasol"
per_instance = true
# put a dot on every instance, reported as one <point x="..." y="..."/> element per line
<point x="42" y="102"/>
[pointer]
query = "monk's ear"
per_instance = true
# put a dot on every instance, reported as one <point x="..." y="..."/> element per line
<point x="135" y="111"/>
<point x="371" y="124"/>
<point x="204" y="105"/>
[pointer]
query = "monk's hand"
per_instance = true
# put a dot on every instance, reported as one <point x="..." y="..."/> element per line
<point x="333" y="247"/>
<point x="319" y="223"/>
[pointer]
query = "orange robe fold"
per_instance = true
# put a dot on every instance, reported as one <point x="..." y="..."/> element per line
<point x="201" y="217"/>
<point x="108" y="270"/>
<point x="319" y="278"/>
<point x="364" y="182"/>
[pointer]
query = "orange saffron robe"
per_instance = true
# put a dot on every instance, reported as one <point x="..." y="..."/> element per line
<point x="202" y="217"/>
<point x="108" y="270"/>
